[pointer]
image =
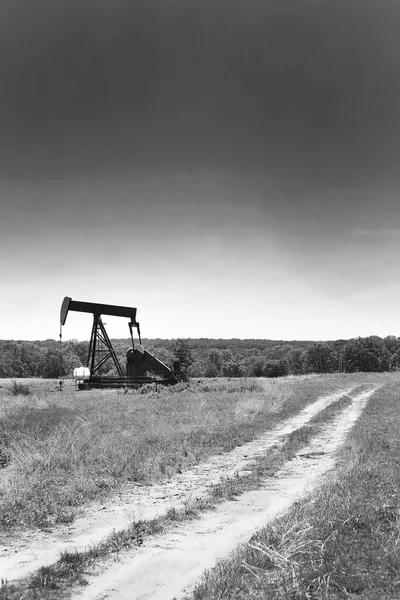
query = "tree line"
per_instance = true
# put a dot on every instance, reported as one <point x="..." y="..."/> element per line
<point x="211" y="358"/>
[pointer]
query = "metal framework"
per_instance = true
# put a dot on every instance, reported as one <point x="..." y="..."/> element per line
<point x="139" y="361"/>
<point x="100" y="348"/>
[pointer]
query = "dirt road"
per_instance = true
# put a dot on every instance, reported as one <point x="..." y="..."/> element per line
<point x="252" y="509"/>
<point x="170" y="564"/>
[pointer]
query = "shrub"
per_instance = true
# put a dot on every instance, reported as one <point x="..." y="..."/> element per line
<point x="20" y="389"/>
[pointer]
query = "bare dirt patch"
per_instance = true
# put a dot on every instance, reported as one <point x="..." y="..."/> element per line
<point x="36" y="549"/>
<point x="169" y="564"/>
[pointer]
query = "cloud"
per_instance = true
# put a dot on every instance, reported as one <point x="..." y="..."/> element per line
<point x="307" y="92"/>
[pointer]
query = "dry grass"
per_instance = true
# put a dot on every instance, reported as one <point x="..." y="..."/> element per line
<point x="57" y="581"/>
<point x="343" y="541"/>
<point x="62" y="449"/>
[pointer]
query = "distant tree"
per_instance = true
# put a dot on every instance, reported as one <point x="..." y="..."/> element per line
<point x="197" y="369"/>
<point x="183" y="353"/>
<point x="5" y="370"/>
<point x="319" y="358"/>
<point x="275" y="368"/>
<point x="214" y="362"/>
<point x="210" y="370"/>
<point x="367" y="354"/>
<point x="255" y="367"/>
<point x="384" y="359"/>
<point x="376" y="345"/>
<point x="293" y="360"/>
<point x="80" y="349"/>
<point x="18" y="368"/>
<point x="54" y="365"/>
<point x="392" y="343"/>
<point x="233" y="368"/>
<point x="227" y="355"/>
<point x="231" y="358"/>
<point x="395" y="361"/>
<point x="357" y="357"/>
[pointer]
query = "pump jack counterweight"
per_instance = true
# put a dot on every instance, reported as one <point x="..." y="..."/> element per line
<point x="141" y="366"/>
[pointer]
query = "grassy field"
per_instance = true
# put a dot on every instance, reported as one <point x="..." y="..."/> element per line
<point x="63" y="449"/>
<point x="342" y="542"/>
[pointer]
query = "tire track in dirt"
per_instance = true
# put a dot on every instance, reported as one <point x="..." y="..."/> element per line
<point x="35" y="549"/>
<point x="170" y="564"/>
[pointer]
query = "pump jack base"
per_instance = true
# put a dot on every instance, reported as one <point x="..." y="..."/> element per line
<point x="120" y="382"/>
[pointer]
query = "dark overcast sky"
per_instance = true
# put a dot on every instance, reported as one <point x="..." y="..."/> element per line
<point x="210" y="138"/>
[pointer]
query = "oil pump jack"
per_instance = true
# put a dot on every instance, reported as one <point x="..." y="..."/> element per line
<point x="139" y="362"/>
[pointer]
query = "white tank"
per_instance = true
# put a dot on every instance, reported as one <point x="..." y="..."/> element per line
<point x="81" y="373"/>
